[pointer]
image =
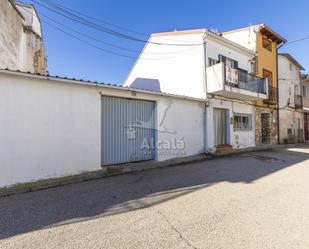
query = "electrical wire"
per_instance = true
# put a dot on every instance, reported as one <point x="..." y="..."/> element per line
<point x="102" y="49"/>
<point x="73" y="17"/>
<point x="94" y="46"/>
<point x="107" y="43"/>
<point x="108" y="23"/>
<point x="99" y="20"/>
<point x="298" y="40"/>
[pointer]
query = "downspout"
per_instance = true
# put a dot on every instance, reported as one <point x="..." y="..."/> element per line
<point x="277" y="67"/>
<point x="278" y="122"/>
<point x="206" y="101"/>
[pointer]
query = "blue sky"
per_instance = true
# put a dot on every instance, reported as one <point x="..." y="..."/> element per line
<point x="69" y="57"/>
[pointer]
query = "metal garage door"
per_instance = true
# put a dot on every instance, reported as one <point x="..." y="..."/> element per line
<point x="128" y="130"/>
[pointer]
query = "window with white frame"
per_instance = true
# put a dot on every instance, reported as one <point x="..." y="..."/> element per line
<point x="242" y="122"/>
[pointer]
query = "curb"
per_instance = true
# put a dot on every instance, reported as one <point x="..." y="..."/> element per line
<point x="127" y="168"/>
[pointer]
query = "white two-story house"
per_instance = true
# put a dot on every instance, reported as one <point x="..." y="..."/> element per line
<point x="290" y="100"/>
<point x="202" y="64"/>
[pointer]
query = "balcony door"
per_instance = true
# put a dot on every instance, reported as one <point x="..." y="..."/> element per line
<point x="221" y="131"/>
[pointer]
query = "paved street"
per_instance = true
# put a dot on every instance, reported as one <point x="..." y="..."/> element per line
<point x="255" y="200"/>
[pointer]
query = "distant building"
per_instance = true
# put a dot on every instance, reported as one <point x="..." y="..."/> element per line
<point x="305" y="93"/>
<point x="290" y="100"/>
<point x="21" y="41"/>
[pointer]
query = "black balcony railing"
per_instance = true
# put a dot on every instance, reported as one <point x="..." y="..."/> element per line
<point x="272" y="95"/>
<point x="298" y="101"/>
<point x="242" y="80"/>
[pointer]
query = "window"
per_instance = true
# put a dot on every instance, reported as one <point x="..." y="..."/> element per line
<point x="242" y="122"/>
<point x="291" y="66"/>
<point x="228" y="61"/>
<point x="267" y="44"/>
<point x="212" y="62"/>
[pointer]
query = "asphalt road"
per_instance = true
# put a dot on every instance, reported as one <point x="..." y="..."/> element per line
<point x="256" y="200"/>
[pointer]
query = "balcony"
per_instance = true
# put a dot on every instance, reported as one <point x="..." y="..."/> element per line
<point x="298" y="101"/>
<point x="272" y="96"/>
<point x="235" y="83"/>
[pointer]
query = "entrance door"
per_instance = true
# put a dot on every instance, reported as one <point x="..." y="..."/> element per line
<point x="221" y="132"/>
<point x="306" y="126"/>
<point x="128" y="130"/>
<point x="265" y="119"/>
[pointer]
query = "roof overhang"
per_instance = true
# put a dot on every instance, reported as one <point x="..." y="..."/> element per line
<point x="292" y="59"/>
<point x="272" y="35"/>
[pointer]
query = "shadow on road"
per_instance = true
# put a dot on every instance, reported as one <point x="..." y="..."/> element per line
<point x="108" y="196"/>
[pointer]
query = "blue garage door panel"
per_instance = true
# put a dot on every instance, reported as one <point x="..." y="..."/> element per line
<point x="128" y="130"/>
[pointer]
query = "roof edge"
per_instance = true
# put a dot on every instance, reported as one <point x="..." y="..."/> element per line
<point x="94" y="83"/>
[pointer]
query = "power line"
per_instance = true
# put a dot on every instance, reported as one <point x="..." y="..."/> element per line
<point x="298" y="40"/>
<point x="92" y="45"/>
<point x="99" y="48"/>
<point x="108" y="23"/>
<point x="69" y="15"/>
<point x="107" y="43"/>
<point x="100" y="20"/>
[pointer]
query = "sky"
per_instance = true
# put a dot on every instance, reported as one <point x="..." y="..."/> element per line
<point x="67" y="56"/>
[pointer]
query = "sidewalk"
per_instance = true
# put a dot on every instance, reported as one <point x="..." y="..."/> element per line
<point x="127" y="168"/>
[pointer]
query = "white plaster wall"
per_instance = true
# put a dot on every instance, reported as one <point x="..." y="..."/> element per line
<point x="10" y="36"/>
<point x="179" y="69"/>
<point x="47" y="129"/>
<point x="245" y="37"/>
<point x="182" y="73"/>
<point x="290" y="119"/>
<point x="215" y="47"/>
<point x="18" y="48"/>
<point x="238" y="139"/>
<point x="52" y="129"/>
<point x="289" y="77"/>
<point x="186" y="120"/>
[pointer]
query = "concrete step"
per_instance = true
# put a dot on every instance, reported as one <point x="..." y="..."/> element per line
<point x="224" y="149"/>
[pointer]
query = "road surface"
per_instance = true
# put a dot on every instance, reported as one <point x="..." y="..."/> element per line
<point x="254" y="200"/>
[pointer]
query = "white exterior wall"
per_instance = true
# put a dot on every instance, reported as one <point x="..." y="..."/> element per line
<point x="289" y="77"/>
<point x="179" y="69"/>
<point x="183" y="73"/>
<point x="245" y="37"/>
<point x="52" y="128"/>
<point x="19" y="49"/>
<point x="215" y="47"/>
<point x="238" y="139"/>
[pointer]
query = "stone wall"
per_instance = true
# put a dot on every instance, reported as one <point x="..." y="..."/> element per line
<point x="20" y="47"/>
<point x="271" y="130"/>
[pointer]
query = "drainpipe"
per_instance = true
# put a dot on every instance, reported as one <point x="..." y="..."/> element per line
<point x="278" y="122"/>
<point x="206" y="100"/>
<point x="277" y="66"/>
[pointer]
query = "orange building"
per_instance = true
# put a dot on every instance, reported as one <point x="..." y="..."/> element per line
<point x="265" y="43"/>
